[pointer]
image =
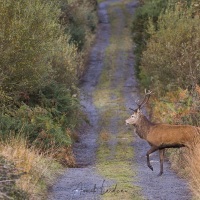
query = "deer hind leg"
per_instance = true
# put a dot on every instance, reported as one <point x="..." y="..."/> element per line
<point x="161" y="155"/>
<point x="153" y="149"/>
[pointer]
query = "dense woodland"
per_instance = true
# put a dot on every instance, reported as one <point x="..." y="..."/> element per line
<point x="43" y="47"/>
<point x="166" y="37"/>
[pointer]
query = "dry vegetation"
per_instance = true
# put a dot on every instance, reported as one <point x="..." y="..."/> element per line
<point x="166" y="35"/>
<point x="35" y="170"/>
<point x="193" y="169"/>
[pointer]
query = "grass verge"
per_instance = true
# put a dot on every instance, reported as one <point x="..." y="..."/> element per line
<point x="189" y="160"/>
<point x="31" y="172"/>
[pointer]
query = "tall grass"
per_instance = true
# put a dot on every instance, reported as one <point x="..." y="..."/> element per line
<point x="38" y="169"/>
<point x="189" y="160"/>
<point x="193" y="169"/>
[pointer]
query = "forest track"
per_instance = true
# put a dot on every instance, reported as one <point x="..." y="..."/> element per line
<point x="110" y="158"/>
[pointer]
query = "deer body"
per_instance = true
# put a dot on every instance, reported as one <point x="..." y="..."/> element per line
<point x="166" y="135"/>
<point x="161" y="136"/>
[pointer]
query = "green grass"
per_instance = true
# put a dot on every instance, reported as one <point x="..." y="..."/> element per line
<point x="115" y="153"/>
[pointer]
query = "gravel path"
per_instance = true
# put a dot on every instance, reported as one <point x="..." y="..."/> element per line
<point x="84" y="182"/>
<point x="166" y="187"/>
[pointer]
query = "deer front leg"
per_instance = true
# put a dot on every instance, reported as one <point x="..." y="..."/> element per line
<point x="153" y="149"/>
<point x="161" y="155"/>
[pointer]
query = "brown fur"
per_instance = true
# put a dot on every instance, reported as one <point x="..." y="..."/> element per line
<point x="161" y="136"/>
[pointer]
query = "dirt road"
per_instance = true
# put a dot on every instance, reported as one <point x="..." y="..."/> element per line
<point x="111" y="158"/>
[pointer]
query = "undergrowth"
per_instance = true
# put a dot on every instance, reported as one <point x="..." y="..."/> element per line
<point x="8" y="177"/>
<point x="44" y="47"/>
<point x="29" y="171"/>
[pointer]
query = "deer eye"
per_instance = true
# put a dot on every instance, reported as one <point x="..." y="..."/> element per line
<point x="132" y="116"/>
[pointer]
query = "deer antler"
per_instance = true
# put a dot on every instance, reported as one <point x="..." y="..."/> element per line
<point x="146" y="98"/>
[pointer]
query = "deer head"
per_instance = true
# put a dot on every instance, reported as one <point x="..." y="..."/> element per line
<point x="137" y="112"/>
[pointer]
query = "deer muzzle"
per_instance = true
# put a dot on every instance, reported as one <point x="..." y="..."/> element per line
<point x="127" y="122"/>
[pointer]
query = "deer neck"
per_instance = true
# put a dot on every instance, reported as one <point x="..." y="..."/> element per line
<point x="143" y="127"/>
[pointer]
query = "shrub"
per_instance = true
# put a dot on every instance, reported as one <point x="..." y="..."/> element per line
<point x="171" y="59"/>
<point x="150" y="9"/>
<point x="38" y="66"/>
<point x="79" y="20"/>
<point x="66" y="62"/>
<point x="47" y="123"/>
<point x="34" y="49"/>
<point x="28" y="30"/>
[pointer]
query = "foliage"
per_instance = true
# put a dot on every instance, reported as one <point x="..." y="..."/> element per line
<point x="65" y="62"/>
<point x="28" y="31"/>
<point x="170" y="61"/>
<point x="169" y="64"/>
<point x="178" y="107"/>
<point x="150" y="9"/>
<point x="40" y="67"/>
<point x="42" y="59"/>
<point x="79" y="20"/>
<point x="171" y="58"/>
<point x="46" y="123"/>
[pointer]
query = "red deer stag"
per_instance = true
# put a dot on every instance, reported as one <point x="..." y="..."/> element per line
<point x="159" y="135"/>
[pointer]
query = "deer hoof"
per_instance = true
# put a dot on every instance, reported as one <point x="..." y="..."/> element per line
<point x="150" y="167"/>
<point x="160" y="173"/>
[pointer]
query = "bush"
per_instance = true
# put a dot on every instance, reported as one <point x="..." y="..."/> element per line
<point x="42" y="59"/>
<point x="65" y="62"/>
<point x="28" y="31"/>
<point x="39" y="65"/>
<point x="79" y="20"/>
<point x="171" y="59"/>
<point x="34" y="49"/>
<point x="150" y="9"/>
<point x="47" y="123"/>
